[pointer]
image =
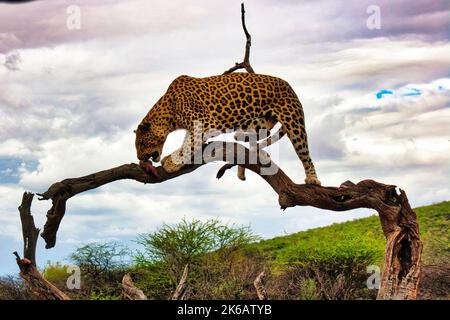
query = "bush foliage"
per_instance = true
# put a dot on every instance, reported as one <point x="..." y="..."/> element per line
<point x="224" y="260"/>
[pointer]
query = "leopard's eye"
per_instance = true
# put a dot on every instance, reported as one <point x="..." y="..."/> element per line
<point x="144" y="127"/>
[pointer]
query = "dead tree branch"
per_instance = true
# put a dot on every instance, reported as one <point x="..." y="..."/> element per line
<point x="246" y="63"/>
<point x="259" y="286"/>
<point x="62" y="191"/>
<point x="180" y="291"/>
<point x="400" y="277"/>
<point x="28" y="271"/>
<point x="130" y="291"/>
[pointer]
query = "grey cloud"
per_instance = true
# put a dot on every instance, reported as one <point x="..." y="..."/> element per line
<point x="325" y="137"/>
<point x="428" y="20"/>
<point x="12" y="61"/>
<point x="43" y="23"/>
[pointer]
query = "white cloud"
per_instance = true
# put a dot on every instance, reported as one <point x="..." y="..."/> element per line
<point x="78" y="156"/>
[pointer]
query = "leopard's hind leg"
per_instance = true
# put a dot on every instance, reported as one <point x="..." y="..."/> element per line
<point x="292" y="118"/>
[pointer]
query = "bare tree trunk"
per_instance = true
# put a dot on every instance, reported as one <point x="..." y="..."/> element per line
<point x="42" y="288"/>
<point x="400" y="278"/>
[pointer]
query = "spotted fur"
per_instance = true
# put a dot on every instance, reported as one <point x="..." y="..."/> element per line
<point x="233" y="101"/>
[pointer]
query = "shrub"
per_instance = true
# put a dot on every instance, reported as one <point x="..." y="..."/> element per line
<point x="186" y="242"/>
<point x="13" y="288"/>
<point x="56" y="274"/>
<point x="104" y="295"/>
<point x="217" y="268"/>
<point x="338" y="266"/>
<point x="97" y="259"/>
<point x="308" y="289"/>
<point x="228" y="276"/>
<point x="153" y="280"/>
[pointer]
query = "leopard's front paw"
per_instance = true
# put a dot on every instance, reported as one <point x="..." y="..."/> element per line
<point x="313" y="180"/>
<point x="169" y="166"/>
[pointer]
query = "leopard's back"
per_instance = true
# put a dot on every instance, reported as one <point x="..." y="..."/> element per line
<point x="228" y="101"/>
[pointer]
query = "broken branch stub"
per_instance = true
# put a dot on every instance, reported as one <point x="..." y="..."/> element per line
<point x="42" y="288"/>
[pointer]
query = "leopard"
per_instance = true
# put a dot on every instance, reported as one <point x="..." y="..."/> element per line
<point x="238" y="101"/>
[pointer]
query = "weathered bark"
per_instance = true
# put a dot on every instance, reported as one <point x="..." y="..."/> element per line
<point x="399" y="223"/>
<point x="259" y="286"/>
<point x="130" y="291"/>
<point x="42" y="288"/>
<point x="180" y="291"/>
<point x="400" y="278"/>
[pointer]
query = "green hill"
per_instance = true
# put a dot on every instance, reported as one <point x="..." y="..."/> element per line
<point x="361" y="242"/>
<point x="434" y="222"/>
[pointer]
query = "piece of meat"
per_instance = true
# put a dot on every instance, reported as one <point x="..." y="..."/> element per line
<point x="149" y="168"/>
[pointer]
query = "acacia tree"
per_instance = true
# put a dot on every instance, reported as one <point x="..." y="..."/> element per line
<point x="400" y="278"/>
<point x="184" y="243"/>
<point x="96" y="259"/>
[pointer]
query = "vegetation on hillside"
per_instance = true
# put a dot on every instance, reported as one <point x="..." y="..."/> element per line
<point x="323" y="263"/>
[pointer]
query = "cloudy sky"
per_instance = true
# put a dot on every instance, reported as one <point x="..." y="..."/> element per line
<point x="377" y="105"/>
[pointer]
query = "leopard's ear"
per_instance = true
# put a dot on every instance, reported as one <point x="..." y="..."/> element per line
<point x="144" y="127"/>
<point x="135" y="131"/>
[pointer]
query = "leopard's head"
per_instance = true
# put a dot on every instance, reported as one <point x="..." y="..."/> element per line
<point x="149" y="141"/>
